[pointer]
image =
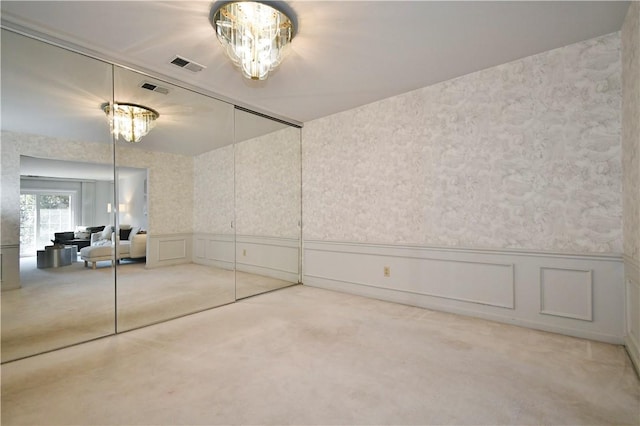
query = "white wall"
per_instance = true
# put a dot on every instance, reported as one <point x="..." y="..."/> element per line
<point x="522" y="159"/>
<point x="631" y="174"/>
<point x="131" y="193"/>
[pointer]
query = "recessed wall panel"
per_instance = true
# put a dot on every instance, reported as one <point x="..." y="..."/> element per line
<point x="566" y="293"/>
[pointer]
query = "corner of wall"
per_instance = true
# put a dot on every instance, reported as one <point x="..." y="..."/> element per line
<point x="631" y="177"/>
<point x="632" y="329"/>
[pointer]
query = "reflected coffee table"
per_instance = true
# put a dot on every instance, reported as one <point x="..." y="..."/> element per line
<point x="56" y="256"/>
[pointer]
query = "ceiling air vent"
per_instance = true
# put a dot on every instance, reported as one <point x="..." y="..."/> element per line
<point x="154" y="88"/>
<point x="187" y="64"/>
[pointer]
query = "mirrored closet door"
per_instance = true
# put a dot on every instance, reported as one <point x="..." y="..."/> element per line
<point x="57" y="180"/>
<point x="103" y="232"/>
<point x="268" y="203"/>
<point x="175" y="202"/>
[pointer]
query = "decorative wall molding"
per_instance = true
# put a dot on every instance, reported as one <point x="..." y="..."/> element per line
<point x="169" y="249"/>
<point x="566" y="293"/>
<point x="358" y="247"/>
<point x="501" y="285"/>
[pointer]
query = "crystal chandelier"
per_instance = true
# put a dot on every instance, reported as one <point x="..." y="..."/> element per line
<point x="254" y="35"/>
<point x="130" y="121"/>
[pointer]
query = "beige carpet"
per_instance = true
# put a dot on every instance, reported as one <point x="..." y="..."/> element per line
<point x="309" y="356"/>
<point x="57" y="307"/>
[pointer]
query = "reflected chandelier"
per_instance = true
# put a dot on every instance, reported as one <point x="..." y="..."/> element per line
<point x="255" y="35"/>
<point x="131" y="121"/>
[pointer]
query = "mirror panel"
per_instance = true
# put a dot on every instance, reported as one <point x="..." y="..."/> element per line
<point x="178" y="263"/>
<point x="209" y="190"/>
<point x="268" y="204"/>
<point x="57" y="170"/>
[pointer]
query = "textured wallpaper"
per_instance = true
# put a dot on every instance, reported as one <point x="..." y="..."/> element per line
<point x="268" y="185"/>
<point x="522" y="155"/>
<point x="631" y="130"/>
<point x="170" y="189"/>
<point x="213" y="191"/>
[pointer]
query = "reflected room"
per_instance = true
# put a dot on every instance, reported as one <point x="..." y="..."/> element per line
<point x="57" y="179"/>
<point x="186" y="194"/>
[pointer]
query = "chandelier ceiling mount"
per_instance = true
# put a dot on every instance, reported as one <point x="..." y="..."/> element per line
<point x="131" y="121"/>
<point x="255" y="35"/>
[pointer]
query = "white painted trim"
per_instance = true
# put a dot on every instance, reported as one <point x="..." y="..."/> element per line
<point x="420" y="293"/>
<point x="154" y="247"/>
<point x="543" y="310"/>
<point x="357" y="268"/>
<point x="370" y="248"/>
<point x="268" y="241"/>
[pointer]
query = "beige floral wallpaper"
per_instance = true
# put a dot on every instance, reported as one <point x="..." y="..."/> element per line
<point x="169" y="187"/>
<point x="523" y="155"/>
<point x="267" y="171"/>
<point x="214" y="191"/>
<point x="631" y="130"/>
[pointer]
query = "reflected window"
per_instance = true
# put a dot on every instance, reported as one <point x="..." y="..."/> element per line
<point x="41" y="215"/>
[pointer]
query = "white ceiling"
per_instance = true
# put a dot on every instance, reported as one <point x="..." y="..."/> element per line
<point x="345" y="54"/>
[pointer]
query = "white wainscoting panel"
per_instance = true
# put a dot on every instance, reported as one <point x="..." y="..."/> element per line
<point x="10" y="266"/>
<point x="566" y="293"/>
<point x="169" y="249"/>
<point x="273" y="257"/>
<point x="632" y="335"/>
<point x="573" y="294"/>
<point x="172" y="249"/>
<point x="214" y="250"/>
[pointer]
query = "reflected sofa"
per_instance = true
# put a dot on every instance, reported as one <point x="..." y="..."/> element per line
<point x="131" y="243"/>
